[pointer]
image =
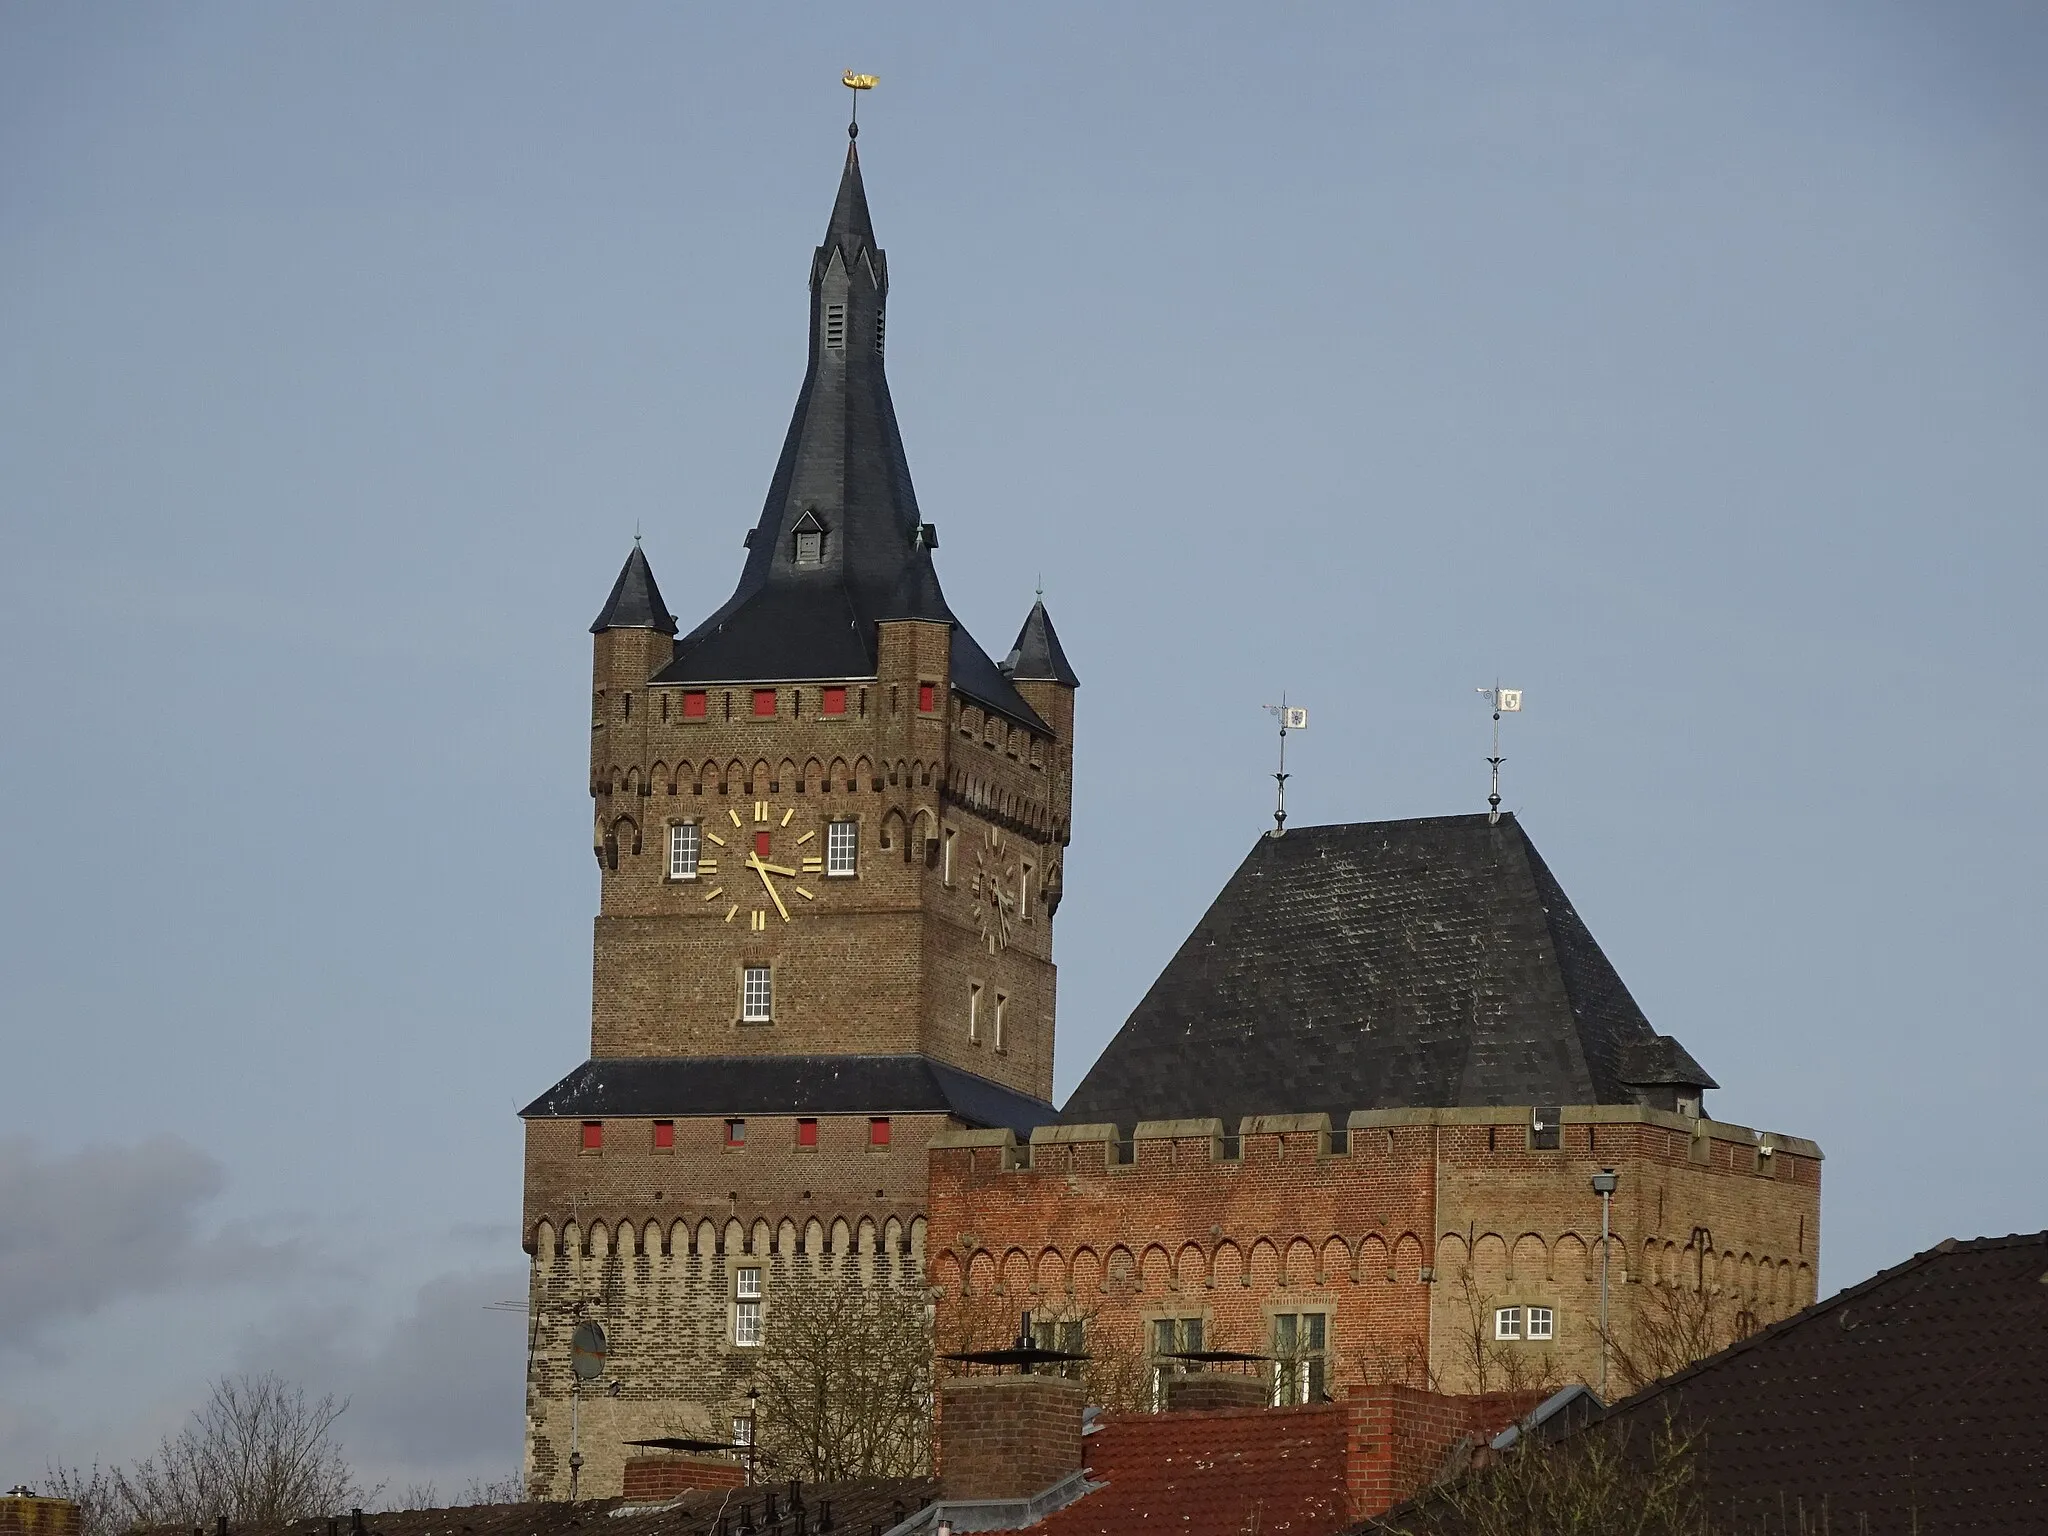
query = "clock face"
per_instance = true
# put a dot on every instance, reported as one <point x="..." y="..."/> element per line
<point x="995" y="890"/>
<point x="767" y="863"/>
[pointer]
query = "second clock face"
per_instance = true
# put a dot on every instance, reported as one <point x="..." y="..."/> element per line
<point x="766" y="865"/>
<point x="995" y="890"/>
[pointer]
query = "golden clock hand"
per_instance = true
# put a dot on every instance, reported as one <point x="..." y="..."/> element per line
<point x="754" y="862"/>
<point x="774" y="896"/>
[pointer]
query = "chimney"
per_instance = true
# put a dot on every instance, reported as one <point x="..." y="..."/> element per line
<point x="650" y="1479"/>
<point x="1007" y="1437"/>
<point x="1216" y="1389"/>
<point x="23" y="1513"/>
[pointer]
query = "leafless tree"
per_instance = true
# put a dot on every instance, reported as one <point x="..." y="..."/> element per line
<point x="1671" y="1326"/>
<point x="509" y="1489"/>
<point x="260" y="1452"/>
<point x="845" y="1375"/>
<point x="1597" y="1483"/>
<point x="1496" y="1365"/>
<point x="97" y="1494"/>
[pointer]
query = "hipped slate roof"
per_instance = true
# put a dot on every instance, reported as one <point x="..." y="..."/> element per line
<point x="785" y="1085"/>
<point x="843" y="468"/>
<point x="1434" y="962"/>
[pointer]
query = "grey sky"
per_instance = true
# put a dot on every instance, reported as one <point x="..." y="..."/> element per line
<point x="1683" y="365"/>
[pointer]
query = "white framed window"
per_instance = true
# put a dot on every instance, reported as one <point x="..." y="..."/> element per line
<point x="1507" y="1323"/>
<point x="757" y="998"/>
<point x="682" y="851"/>
<point x="1301" y="1360"/>
<point x="1002" y="1035"/>
<point x="842" y="847"/>
<point x="974" y="1013"/>
<point x="742" y="1431"/>
<point x="1171" y="1335"/>
<point x="746" y="1307"/>
<point x="1539" y="1322"/>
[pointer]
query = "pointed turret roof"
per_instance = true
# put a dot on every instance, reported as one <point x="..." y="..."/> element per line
<point x="807" y="610"/>
<point x="635" y="602"/>
<point x="1037" y="657"/>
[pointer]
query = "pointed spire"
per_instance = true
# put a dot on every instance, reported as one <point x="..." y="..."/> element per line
<point x="1037" y="656"/>
<point x="635" y="602"/>
<point x="851" y="230"/>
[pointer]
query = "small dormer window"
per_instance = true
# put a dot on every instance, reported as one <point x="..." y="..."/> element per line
<point x="810" y="540"/>
<point x="835" y="327"/>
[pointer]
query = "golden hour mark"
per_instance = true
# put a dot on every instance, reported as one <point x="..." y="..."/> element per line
<point x="729" y="911"/>
<point x="714" y="837"/>
<point x="805" y="838"/>
<point x="714" y="893"/>
<point x="760" y="810"/>
<point x="807" y="896"/>
<point x="759" y="920"/>
<point x="785" y="817"/>
<point x="735" y="815"/>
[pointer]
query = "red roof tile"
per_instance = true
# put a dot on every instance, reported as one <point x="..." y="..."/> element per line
<point x="1229" y="1472"/>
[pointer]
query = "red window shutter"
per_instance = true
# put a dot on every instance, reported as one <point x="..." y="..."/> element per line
<point x="760" y="845"/>
<point x="664" y="1133"/>
<point x="764" y="701"/>
<point x="735" y="1133"/>
<point x="834" y="701"/>
<point x="927" y="697"/>
<point x="878" y="1131"/>
<point x="693" y="706"/>
<point x="807" y="1133"/>
<point x="593" y="1135"/>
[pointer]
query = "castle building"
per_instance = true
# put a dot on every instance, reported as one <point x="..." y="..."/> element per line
<point x="1353" y="1128"/>
<point x="829" y="829"/>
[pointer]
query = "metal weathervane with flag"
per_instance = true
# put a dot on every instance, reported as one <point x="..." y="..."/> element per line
<point x="1291" y="718"/>
<point x="1505" y="701"/>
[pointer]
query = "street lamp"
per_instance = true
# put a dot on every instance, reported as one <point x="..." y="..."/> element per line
<point x="753" y="1429"/>
<point x="1603" y="1186"/>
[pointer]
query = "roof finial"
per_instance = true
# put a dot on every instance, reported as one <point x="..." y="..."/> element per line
<point x="1041" y="586"/>
<point x="856" y="84"/>
<point x="636" y="533"/>
<point x="1290" y="719"/>
<point x="1505" y="701"/>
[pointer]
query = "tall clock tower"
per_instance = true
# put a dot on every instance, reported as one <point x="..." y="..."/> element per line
<point x="829" y="832"/>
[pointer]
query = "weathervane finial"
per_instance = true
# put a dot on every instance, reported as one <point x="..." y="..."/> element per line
<point x="857" y="84"/>
<point x="1290" y="719"/>
<point x="1505" y="701"/>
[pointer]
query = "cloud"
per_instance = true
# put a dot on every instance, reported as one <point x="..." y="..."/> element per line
<point x="440" y="1392"/>
<point x="87" y="1229"/>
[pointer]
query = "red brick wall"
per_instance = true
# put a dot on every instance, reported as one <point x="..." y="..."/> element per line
<point x="663" y="1477"/>
<point x="1007" y="1437"/>
<point x="1407" y="1241"/>
<point x="1399" y="1437"/>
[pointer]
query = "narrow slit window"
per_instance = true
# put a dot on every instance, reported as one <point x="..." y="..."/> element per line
<point x="1002" y="1035"/>
<point x="974" y="1013"/>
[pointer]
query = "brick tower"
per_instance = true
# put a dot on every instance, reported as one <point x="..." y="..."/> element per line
<point x="829" y="832"/>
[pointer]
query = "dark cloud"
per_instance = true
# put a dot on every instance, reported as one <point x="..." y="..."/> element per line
<point x="438" y="1393"/>
<point x="81" y="1231"/>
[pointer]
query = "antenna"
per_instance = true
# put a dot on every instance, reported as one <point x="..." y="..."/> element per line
<point x="1290" y="720"/>
<point x="1505" y="701"/>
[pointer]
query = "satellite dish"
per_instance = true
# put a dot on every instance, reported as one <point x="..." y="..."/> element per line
<point x="587" y="1351"/>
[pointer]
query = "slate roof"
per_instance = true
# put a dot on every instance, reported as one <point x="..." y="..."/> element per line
<point x="1914" y="1402"/>
<point x="1434" y="962"/>
<point x="842" y="468"/>
<point x="1037" y="656"/>
<point x="1223" y="1472"/>
<point x="785" y="1085"/>
<point x="857" y="1510"/>
<point x="635" y="602"/>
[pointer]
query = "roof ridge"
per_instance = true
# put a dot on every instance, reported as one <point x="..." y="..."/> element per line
<point x="1805" y="1315"/>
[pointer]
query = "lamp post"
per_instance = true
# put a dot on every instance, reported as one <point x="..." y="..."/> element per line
<point x="1603" y="1186"/>
<point x="753" y="1429"/>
